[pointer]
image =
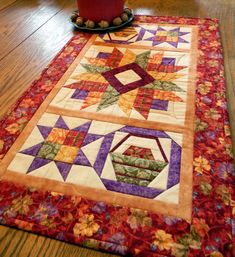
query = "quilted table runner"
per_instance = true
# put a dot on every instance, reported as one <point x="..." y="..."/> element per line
<point x="123" y="144"/>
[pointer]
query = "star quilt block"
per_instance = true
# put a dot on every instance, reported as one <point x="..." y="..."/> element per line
<point x="168" y="36"/>
<point x="133" y="86"/>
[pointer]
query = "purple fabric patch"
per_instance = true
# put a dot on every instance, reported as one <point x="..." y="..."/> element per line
<point x="181" y="40"/>
<point x="84" y="127"/>
<point x="81" y="159"/>
<point x="45" y="131"/>
<point x="103" y="55"/>
<point x="144" y="132"/>
<point x="33" y="151"/>
<point x="174" y="44"/>
<point x="61" y="124"/>
<point x="90" y="138"/>
<point x="37" y="163"/>
<point x="64" y="169"/>
<point x="103" y="153"/>
<point x="79" y="94"/>
<point x="174" y="166"/>
<point x="168" y="61"/>
<point x="158" y="104"/>
<point x="115" y="83"/>
<point x="147" y="192"/>
<point x="141" y="34"/>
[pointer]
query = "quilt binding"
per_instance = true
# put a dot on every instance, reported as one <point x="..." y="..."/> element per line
<point x="208" y="71"/>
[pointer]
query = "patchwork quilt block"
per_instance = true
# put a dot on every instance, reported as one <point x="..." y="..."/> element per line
<point x="145" y="34"/>
<point x="115" y="157"/>
<point x="123" y="144"/>
<point x="136" y="83"/>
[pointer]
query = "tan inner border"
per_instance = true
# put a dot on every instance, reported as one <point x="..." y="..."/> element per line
<point x="116" y="119"/>
<point x="163" y="24"/>
<point x="143" y="47"/>
<point x="182" y="209"/>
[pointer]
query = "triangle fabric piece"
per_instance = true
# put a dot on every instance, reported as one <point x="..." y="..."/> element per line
<point x="90" y="138"/>
<point x="64" y="169"/>
<point x="45" y="131"/>
<point x="61" y="124"/>
<point x="84" y="127"/>
<point x="37" y="163"/>
<point x="81" y="159"/>
<point x="33" y="150"/>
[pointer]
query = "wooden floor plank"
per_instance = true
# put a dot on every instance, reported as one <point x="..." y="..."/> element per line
<point x="6" y="3"/>
<point x="17" y="243"/>
<point x="22" y="18"/>
<point x="25" y="65"/>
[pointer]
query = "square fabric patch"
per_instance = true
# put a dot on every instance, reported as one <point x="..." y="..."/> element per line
<point x="127" y="78"/>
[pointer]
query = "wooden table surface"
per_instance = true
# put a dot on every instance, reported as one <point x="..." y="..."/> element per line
<point x="33" y="31"/>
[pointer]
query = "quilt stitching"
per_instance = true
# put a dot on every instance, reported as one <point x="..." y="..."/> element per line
<point x="153" y="77"/>
<point x="151" y="35"/>
<point x="108" y="227"/>
<point x="118" y="155"/>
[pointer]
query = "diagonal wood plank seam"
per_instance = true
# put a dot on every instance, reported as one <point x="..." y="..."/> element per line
<point x="4" y="56"/>
<point x="29" y="64"/>
<point x="7" y="5"/>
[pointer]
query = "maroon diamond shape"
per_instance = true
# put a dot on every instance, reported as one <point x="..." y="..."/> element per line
<point x="114" y="82"/>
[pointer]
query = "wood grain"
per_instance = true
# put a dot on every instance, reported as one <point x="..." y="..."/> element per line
<point x="24" y="24"/>
<point x="20" y="67"/>
<point x="15" y="27"/>
<point x="6" y="3"/>
<point x="16" y="243"/>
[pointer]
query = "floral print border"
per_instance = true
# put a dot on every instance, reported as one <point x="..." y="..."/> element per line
<point x="127" y="231"/>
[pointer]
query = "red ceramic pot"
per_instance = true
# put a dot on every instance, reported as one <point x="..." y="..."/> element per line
<point x="97" y="10"/>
